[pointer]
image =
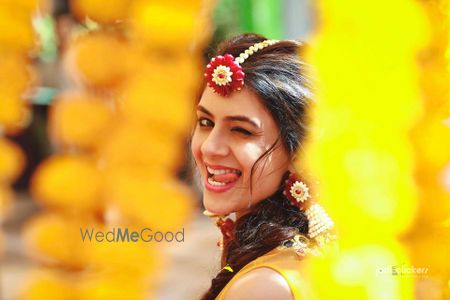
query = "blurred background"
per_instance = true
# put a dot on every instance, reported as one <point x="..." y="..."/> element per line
<point x="96" y="110"/>
<point x="37" y="260"/>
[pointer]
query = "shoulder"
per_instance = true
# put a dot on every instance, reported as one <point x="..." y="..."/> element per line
<point x="260" y="283"/>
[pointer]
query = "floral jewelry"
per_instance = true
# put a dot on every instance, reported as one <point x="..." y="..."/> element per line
<point x="299" y="243"/>
<point x="224" y="73"/>
<point x="319" y="223"/>
<point x="226" y="226"/>
<point x="296" y="190"/>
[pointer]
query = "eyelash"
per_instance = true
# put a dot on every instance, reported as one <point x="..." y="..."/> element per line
<point x="238" y="129"/>
<point x="242" y="130"/>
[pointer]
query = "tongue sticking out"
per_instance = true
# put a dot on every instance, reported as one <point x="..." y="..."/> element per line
<point x="225" y="178"/>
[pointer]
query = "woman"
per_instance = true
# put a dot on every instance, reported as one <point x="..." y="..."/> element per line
<point x="251" y="120"/>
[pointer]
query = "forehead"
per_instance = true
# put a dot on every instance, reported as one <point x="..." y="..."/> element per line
<point x="243" y="102"/>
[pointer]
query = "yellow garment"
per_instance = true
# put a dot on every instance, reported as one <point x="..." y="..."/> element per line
<point x="286" y="262"/>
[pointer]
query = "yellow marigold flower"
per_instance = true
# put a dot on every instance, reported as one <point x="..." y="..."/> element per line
<point x="47" y="284"/>
<point x="158" y="149"/>
<point x="151" y="98"/>
<point x="16" y="75"/>
<point x="16" y="31"/>
<point x="29" y="6"/>
<point x="67" y="182"/>
<point x="138" y="258"/>
<point x="14" y="112"/>
<point x="165" y="24"/>
<point x="99" y="11"/>
<point x="55" y="239"/>
<point x="163" y="204"/>
<point x="98" y="59"/>
<point x="12" y="161"/>
<point x="79" y="120"/>
<point x="432" y="140"/>
<point x="106" y="286"/>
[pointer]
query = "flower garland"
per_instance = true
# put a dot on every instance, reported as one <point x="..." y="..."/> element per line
<point x="119" y="135"/>
<point x="359" y="150"/>
<point x="17" y="77"/>
<point x="431" y="140"/>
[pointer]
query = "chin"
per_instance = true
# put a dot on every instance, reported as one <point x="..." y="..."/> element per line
<point x="216" y="208"/>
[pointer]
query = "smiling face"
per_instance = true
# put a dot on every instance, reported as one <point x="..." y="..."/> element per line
<point x="231" y="134"/>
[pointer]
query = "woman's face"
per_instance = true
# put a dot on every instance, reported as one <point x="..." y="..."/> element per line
<point x="230" y="135"/>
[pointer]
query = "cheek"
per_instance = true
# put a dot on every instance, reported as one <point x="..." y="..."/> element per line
<point x="268" y="170"/>
<point x="248" y="155"/>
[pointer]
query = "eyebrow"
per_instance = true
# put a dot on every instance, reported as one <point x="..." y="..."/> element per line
<point x="231" y="118"/>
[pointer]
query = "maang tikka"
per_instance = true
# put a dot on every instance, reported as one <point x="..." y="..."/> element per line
<point x="224" y="73"/>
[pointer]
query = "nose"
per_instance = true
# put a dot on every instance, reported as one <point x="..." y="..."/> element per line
<point x="215" y="145"/>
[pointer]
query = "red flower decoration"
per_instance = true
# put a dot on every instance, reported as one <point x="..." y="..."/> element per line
<point x="224" y="74"/>
<point x="226" y="227"/>
<point x="296" y="190"/>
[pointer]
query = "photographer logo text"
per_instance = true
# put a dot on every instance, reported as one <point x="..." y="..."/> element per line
<point x="125" y="235"/>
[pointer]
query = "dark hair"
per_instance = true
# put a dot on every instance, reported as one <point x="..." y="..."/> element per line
<point x="279" y="77"/>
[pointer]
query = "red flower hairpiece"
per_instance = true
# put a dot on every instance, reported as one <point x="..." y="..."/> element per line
<point x="224" y="74"/>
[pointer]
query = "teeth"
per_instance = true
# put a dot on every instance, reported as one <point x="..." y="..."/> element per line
<point x="216" y="183"/>
<point x="222" y="171"/>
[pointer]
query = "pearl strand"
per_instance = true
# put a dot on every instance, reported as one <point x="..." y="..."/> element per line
<point x="252" y="49"/>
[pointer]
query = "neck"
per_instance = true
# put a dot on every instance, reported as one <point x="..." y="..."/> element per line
<point x="243" y="212"/>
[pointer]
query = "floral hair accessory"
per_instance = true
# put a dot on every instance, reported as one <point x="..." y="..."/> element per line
<point x="296" y="190"/>
<point x="224" y="73"/>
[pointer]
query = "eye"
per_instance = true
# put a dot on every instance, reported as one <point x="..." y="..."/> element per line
<point x="242" y="130"/>
<point x="205" y="122"/>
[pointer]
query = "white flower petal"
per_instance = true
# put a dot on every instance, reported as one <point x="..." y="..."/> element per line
<point x="222" y="75"/>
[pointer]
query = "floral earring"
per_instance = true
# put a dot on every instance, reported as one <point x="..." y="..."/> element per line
<point x="296" y="190"/>
<point x="320" y="223"/>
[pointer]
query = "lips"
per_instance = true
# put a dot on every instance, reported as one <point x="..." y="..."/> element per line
<point x="221" y="178"/>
